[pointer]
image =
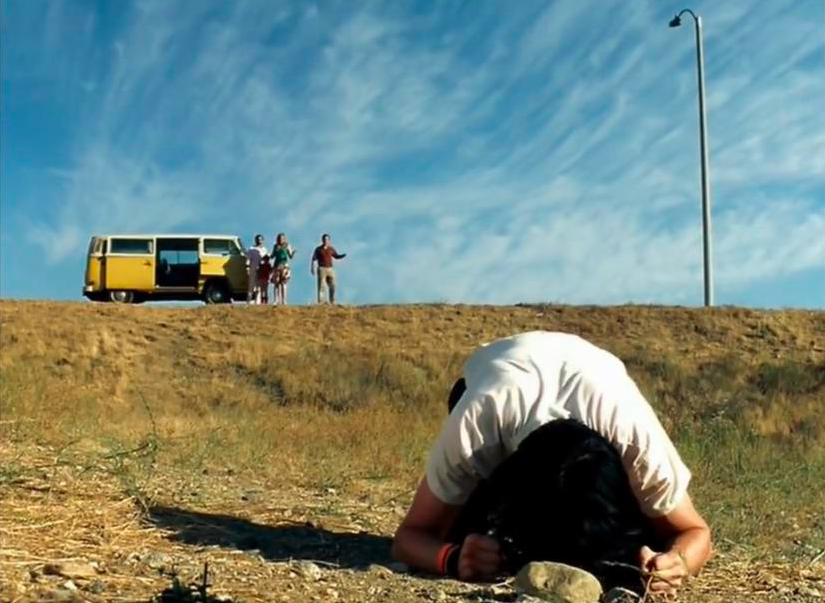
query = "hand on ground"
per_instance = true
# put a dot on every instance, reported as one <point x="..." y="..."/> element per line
<point x="666" y="571"/>
<point x="480" y="558"/>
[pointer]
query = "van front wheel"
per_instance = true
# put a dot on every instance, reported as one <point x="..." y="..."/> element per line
<point x="122" y="297"/>
<point x="216" y="293"/>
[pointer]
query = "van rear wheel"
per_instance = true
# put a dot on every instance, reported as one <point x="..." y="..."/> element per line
<point x="216" y="293"/>
<point x="122" y="297"/>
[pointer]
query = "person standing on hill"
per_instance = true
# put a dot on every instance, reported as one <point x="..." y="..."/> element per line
<point x="282" y="252"/>
<point x="550" y="452"/>
<point x="255" y="255"/>
<point x="264" y="278"/>
<point x="322" y="259"/>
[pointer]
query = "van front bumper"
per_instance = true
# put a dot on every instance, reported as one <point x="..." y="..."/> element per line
<point x="88" y="289"/>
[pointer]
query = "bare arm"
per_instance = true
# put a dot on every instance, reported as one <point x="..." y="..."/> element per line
<point x="690" y="548"/>
<point x="422" y="534"/>
<point x="423" y="530"/>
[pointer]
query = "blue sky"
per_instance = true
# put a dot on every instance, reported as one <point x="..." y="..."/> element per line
<point x="479" y="151"/>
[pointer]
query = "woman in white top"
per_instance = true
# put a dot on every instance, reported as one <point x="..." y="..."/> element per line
<point x="551" y="452"/>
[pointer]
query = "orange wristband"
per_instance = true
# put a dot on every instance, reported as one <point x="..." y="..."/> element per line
<point x="441" y="558"/>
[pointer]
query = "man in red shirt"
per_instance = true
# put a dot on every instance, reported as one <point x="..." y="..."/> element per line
<point x="322" y="259"/>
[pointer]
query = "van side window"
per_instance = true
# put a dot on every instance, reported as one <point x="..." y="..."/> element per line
<point x="131" y="246"/>
<point x="219" y="247"/>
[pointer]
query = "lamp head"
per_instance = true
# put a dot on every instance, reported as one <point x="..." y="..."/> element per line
<point x="675" y="21"/>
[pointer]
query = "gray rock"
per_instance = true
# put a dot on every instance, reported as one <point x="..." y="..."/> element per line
<point x="558" y="583"/>
<point x="380" y="570"/>
<point x="308" y="570"/>
<point x="69" y="585"/>
<point x="96" y="587"/>
<point x="157" y="561"/>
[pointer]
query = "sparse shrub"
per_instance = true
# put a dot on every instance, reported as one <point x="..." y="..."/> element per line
<point x="790" y="377"/>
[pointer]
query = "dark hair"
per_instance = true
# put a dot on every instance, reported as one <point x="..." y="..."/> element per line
<point x="325" y="236"/>
<point x="564" y="496"/>
<point x="259" y="236"/>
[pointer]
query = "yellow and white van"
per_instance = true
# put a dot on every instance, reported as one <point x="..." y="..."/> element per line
<point x="135" y="268"/>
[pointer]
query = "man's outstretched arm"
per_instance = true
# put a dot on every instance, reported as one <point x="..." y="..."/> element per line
<point x="690" y="548"/>
<point x="422" y="535"/>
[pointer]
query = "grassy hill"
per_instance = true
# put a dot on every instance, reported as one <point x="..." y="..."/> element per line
<point x="326" y="414"/>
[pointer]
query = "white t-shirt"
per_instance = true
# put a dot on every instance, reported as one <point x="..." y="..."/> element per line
<point x="255" y="255"/>
<point x="520" y="383"/>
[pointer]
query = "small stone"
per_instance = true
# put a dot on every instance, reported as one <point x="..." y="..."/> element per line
<point x="558" y="582"/>
<point x="96" y="587"/>
<point x="380" y="570"/>
<point x="525" y="598"/>
<point x="69" y="585"/>
<point x="621" y="595"/>
<point x="157" y="561"/>
<point x="308" y="570"/>
<point x="71" y="569"/>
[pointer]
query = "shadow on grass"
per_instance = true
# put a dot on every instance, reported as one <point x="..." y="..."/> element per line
<point x="275" y="543"/>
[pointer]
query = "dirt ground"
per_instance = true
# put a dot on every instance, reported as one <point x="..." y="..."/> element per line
<point x="266" y="543"/>
<point x="139" y="446"/>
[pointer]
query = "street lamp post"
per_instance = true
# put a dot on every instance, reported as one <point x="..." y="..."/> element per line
<point x="703" y="144"/>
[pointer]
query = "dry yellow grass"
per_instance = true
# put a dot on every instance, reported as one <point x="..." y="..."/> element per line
<point x="288" y="415"/>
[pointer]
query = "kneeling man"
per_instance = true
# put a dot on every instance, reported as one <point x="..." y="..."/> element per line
<point x="550" y="452"/>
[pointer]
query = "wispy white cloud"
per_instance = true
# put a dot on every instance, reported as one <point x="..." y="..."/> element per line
<point x="548" y="152"/>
